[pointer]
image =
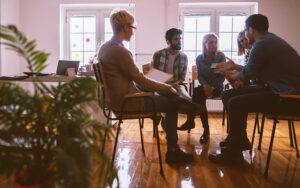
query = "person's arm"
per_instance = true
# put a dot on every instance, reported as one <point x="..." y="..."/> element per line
<point x="183" y="67"/>
<point x="219" y="78"/>
<point x="128" y="68"/>
<point x="256" y="60"/>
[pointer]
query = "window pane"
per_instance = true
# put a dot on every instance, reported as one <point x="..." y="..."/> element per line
<point x="89" y="42"/>
<point x="225" y="41"/>
<point x="225" y="23"/>
<point x="191" y="57"/>
<point x="107" y="37"/>
<point x="107" y="26"/>
<point x="76" y="42"/>
<point x="238" y="23"/>
<point x="90" y="24"/>
<point x="234" y="42"/>
<point x="203" y="23"/>
<point x="189" y="23"/>
<point x="228" y="54"/>
<point x="78" y="56"/>
<point x="189" y="41"/>
<point x="76" y="24"/>
<point x="199" y="40"/>
<point x="87" y="56"/>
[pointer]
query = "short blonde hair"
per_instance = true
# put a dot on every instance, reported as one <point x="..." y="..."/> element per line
<point x="119" y="18"/>
<point x="206" y="39"/>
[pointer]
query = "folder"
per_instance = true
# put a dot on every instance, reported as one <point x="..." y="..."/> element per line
<point x="158" y="75"/>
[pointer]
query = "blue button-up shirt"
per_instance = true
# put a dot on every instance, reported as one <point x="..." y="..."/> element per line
<point x="273" y="61"/>
<point x="206" y="74"/>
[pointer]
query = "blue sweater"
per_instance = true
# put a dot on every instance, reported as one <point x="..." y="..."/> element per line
<point x="273" y="61"/>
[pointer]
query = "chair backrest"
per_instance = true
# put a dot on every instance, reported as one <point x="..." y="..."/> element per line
<point x="146" y="68"/>
<point x="98" y="69"/>
<point x="194" y="73"/>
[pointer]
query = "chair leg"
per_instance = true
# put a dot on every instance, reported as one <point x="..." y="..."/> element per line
<point x="158" y="148"/>
<point x="270" y="149"/>
<point x="223" y="117"/>
<point x="141" y="123"/>
<point x="257" y="122"/>
<point x="290" y="131"/>
<point x="105" y="135"/>
<point x="295" y="139"/>
<point x="116" y="142"/>
<point x="253" y="134"/>
<point x="261" y="131"/>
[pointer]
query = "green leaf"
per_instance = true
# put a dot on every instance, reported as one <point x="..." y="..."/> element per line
<point x="30" y="44"/>
<point x="8" y="37"/>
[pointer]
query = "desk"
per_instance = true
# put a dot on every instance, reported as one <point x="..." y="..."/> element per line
<point x="56" y="78"/>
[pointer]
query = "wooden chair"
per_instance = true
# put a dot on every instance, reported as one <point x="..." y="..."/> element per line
<point x="276" y="117"/>
<point x="122" y="115"/>
<point x="192" y="86"/>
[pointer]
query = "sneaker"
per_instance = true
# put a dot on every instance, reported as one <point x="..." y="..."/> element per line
<point x="227" y="156"/>
<point x="245" y="145"/>
<point x="189" y="124"/>
<point x="176" y="155"/>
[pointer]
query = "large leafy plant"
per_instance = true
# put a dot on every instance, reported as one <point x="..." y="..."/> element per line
<point x="50" y="137"/>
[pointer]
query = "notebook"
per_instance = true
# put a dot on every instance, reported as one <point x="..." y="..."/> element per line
<point x="64" y="64"/>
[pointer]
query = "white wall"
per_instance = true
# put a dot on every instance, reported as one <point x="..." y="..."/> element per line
<point x="40" y="20"/>
<point x="9" y="61"/>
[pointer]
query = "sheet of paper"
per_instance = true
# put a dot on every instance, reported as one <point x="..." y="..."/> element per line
<point x="158" y="75"/>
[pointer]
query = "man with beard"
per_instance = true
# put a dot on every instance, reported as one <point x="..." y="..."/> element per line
<point x="172" y="60"/>
<point x="277" y="65"/>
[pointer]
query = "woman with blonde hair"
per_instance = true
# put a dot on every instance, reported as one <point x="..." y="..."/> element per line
<point x="210" y="83"/>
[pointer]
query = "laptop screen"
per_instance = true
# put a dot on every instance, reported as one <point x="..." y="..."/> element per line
<point x="64" y="64"/>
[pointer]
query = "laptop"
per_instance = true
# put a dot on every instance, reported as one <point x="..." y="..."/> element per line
<point x="64" y="64"/>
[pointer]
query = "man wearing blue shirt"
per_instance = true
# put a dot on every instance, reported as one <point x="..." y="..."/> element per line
<point x="277" y="65"/>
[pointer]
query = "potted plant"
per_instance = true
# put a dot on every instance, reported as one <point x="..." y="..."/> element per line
<point x="49" y="141"/>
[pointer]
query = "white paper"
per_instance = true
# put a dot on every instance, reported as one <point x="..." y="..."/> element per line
<point x="158" y="75"/>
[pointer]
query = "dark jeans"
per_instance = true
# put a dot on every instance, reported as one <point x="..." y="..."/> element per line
<point x="171" y="105"/>
<point x="227" y="94"/>
<point x="246" y="100"/>
<point x="199" y="97"/>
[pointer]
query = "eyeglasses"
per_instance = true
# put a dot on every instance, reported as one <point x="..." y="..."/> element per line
<point x="132" y="27"/>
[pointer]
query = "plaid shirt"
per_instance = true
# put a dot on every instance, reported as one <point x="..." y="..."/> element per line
<point x="160" y="61"/>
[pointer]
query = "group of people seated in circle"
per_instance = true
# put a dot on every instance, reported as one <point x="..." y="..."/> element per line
<point x="272" y="67"/>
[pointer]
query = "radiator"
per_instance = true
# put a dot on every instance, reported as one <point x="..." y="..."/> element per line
<point x="214" y="105"/>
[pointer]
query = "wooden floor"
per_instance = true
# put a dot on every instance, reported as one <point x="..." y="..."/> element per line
<point x="138" y="170"/>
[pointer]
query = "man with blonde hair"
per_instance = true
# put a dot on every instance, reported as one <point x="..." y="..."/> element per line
<point x="121" y="73"/>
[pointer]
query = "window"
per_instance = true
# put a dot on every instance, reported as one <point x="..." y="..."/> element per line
<point x="84" y="29"/>
<point x="224" y="19"/>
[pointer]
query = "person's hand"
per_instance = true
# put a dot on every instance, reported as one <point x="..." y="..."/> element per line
<point x="238" y="84"/>
<point x="222" y="68"/>
<point x="173" y="90"/>
<point x="208" y="90"/>
<point x="232" y="75"/>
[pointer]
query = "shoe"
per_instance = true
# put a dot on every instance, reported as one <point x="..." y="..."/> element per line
<point x="227" y="156"/>
<point x="176" y="155"/>
<point x="245" y="145"/>
<point x="189" y="124"/>
<point x="205" y="136"/>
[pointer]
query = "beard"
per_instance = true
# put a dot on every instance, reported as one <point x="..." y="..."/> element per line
<point x="176" y="47"/>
